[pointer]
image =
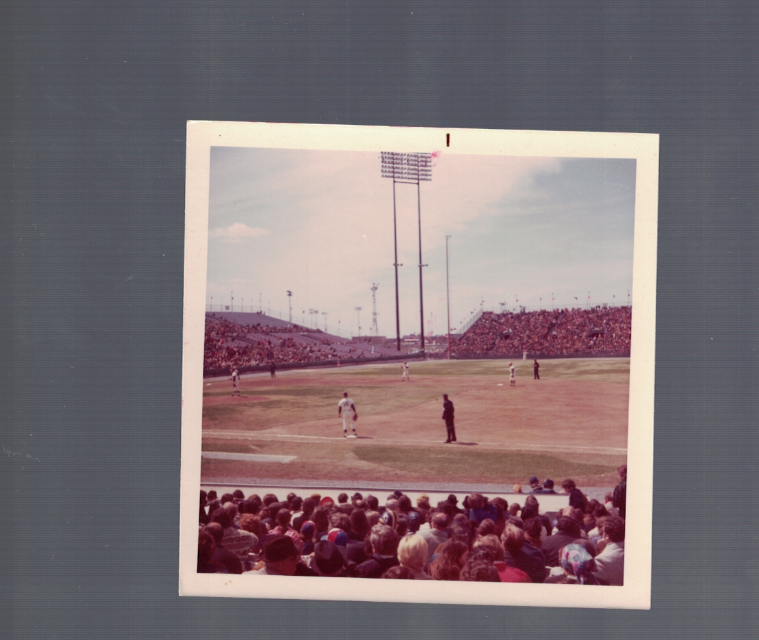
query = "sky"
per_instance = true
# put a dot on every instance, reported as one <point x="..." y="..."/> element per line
<point x="522" y="231"/>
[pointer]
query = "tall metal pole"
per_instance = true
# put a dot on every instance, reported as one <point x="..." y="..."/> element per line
<point x="397" y="307"/>
<point x="290" y="304"/>
<point x="358" y="315"/>
<point x="421" y="295"/>
<point x="448" y="296"/>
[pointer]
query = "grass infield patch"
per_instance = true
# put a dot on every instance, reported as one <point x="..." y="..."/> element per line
<point x="460" y="461"/>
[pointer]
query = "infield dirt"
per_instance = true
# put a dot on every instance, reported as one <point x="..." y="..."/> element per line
<point x="570" y="423"/>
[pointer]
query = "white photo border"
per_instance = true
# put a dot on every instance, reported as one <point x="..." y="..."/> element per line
<point x="644" y="148"/>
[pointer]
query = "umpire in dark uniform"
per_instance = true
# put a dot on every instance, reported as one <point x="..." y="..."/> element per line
<point x="448" y="417"/>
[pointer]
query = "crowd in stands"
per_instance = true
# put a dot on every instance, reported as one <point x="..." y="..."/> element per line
<point x="563" y="332"/>
<point x="479" y="540"/>
<point x="229" y="345"/>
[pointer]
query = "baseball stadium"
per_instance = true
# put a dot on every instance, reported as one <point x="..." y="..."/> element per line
<point x="343" y="452"/>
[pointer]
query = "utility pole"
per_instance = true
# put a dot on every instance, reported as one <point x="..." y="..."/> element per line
<point x="448" y="296"/>
<point x="290" y="304"/>
<point x="324" y="313"/>
<point x="358" y="314"/>
<point x="375" y="286"/>
<point x="232" y="303"/>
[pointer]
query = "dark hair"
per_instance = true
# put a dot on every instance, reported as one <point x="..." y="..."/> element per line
<point x="487" y="527"/>
<point x="308" y="506"/>
<point x="372" y="503"/>
<point x="359" y="523"/>
<point x="227" y="497"/>
<point x="212" y="495"/>
<point x="283" y="518"/>
<point x="529" y="511"/>
<point x="320" y="518"/>
<point x="568" y="526"/>
<point x="238" y="494"/>
<point x="296" y="503"/>
<point x="500" y="502"/>
<point x="464" y="532"/>
<point x="342" y="498"/>
<point x="269" y="498"/>
<point x="600" y="511"/>
<point x="513" y="538"/>
<point x="384" y="540"/>
<point x="533" y="527"/>
<point x="401" y="524"/>
<point x="492" y="544"/>
<point x="398" y="573"/>
<point x="215" y="530"/>
<point x="404" y="504"/>
<point x="291" y="496"/>
<point x="447" y="566"/>
<point x="614" y="528"/>
<point x="206" y="546"/>
<point x="622" y="471"/>
<point x="340" y="521"/>
<point x="480" y="572"/>
<point x="224" y="517"/>
<point x="569" y="484"/>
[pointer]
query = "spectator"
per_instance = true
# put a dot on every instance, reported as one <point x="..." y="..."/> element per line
<point x="436" y="534"/>
<point x="206" y="548"/>
<point x="519" y="554"/>
<point x="611" y="561"/>
<point x="281" y="558"/>
<point x="481" y="509"/>
<point x="384" y="543"/>
<point x="506" y="572"/>
<point x="548" y="487"/>
<point x="619" y="497"/>
<point x="328" y="561"/>
<point x="450" y="561"/>
<point x="412" y="554"/>
<point x="535" y="486"/>
<point x="398" y="573"/>
<point x="568" y="532"/>
<point x="578" y="565"/>
<point x="576" y="497"/>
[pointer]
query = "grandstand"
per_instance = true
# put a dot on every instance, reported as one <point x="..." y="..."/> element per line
<point x="600" y="331"/>
<point x="249" y="340"/>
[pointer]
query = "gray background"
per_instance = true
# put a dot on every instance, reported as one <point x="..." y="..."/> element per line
<point x="94" y="99"/>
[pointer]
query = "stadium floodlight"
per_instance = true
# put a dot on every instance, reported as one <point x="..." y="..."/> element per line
<point x="448" y="296"/>
<point x="408" y="168"/>
<point x="290" y="304"/>
<point x="358" y="313"/>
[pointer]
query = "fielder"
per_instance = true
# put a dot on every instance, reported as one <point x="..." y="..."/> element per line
<point x="404" y="369"/>
<point x="235" y="382"/>
<point x="347" y="411"/>
<point x="512" y="375"/>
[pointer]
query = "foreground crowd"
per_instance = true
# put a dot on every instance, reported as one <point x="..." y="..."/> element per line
<point x="550" y="333"/>
<point x="481" y="540"/>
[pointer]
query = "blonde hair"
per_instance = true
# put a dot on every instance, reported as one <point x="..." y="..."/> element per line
<point x="412" y="552"/>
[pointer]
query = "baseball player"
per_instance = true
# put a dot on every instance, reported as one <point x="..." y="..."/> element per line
<point x="347" y="411"/>
<point x="404" y="368"/>
<point x="512" y="375"/>
<point x="536" y="369"/>
<point x="448" y="417"/>
<point x="235" y="382"/>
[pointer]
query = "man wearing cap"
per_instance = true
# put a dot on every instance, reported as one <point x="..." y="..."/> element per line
<point x="548" y="487"/>
<point x="328" y="560"/>
<point x="281" y="558"/>
<point x="347" y="411"/>
<point x="535" y="485"/>
<point x="235" y="382"/>
<point x="448" y="417"/>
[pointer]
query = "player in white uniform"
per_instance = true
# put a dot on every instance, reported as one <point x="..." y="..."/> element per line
<point x="236" y="382"/>
<point x="347" y="411"/>
<point x="405" y="376"/>
<point x="512" y="375"/>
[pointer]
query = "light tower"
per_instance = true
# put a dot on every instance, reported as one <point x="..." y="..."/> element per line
<point x="324" y="313"/>
<point x="408" y="168"/>
<point x="375" y="286"/>
<point x="290" y="304"/>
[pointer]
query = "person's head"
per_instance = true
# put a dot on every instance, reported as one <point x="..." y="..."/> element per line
<point x="439" y="521"/>
<point x="480" y="572"/>
<point x="568" y="526"/>
<point x="450" y="561"/>
<point x="614" y="529"/>
<point x="384" y="540"/>
<point x="206" y="547"/>
<point x="320" y="518"/>
<point x="487" y="527"/>
<point x="423" y="502"/>
<point x="492" y="544"/>
<point x="575" y="514"/>
<point x="404" y="504"/>
<point x="392" y="504"/>
<point x="339" y="520"/>
<point x="327" y="560"/>
<point x="548" y="484"/>
<point x="238" y="495"/>
<point x="291" y="496"/>
<point x="452" y="499"/>
<point x="268" y="499"/>
<point x="476" y="501"/>
<point x="513" y="538"/>
<point x="412" y="552"/>
<point x="345" y="394"/>
<point x="372" y="502"/>
<point x="398" y="573"/>
<point x="359" y="523"/>
<point x="529" y="511"/>
<point x="532" y="529"/>
<point x="445" y="396"/>
<point x="308" y="507"/>
<point x="342" y="498"/>
<point x="252" y="524"/>
<point x="280" y="555"/>
<point x="307" y="531"/>
<point x="283" y="519"/>
<point x="514" y="509"/>
<point x="517" y="488"/>
<point x="296" y="504"/>
<point x="568" y="485"/>
<point x="578" y="562"/>
<point x="224" y="517"/>
<point x="215" y="530"/>
<point x="212" y="495"/>
<point x="463" y="532"/>
<point x="227" y="497"/>
<point x="534" y="482"/>
<point x="608" y="498"/>
<point x="401" y="524"/>
<point x="622" y="471"/>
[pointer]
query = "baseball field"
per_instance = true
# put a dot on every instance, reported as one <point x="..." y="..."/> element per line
<point x="570" y="423"/>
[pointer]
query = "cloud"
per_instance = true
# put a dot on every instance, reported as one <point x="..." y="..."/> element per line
<point x="237" y="233"/>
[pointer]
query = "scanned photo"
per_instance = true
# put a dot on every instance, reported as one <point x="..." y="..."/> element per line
<point x="417" y="354"/>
